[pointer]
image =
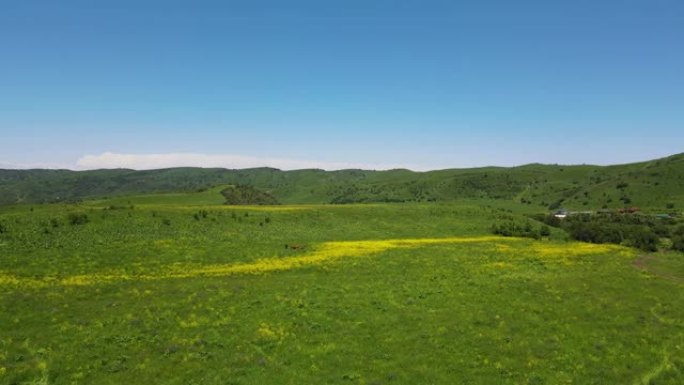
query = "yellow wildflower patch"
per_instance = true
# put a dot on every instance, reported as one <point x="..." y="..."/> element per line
<point x="499" y="265"/>
<point x="325" y="252"/>
<point x="268" y="208"/>
<point x="164" y="243"/>
<point x="270" y="332"/>
<point x="11" y="280"/>
<point x="8" y="280"/>
<point x="578" y="248"/>
<point x="503" y="247"/>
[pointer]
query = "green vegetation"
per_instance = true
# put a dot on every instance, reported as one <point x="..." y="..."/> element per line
<point x="198" y="276"/>
<point x="75" y="219"/>
<point x="166" y="289"/>
<point x="656" y="185"/>
<point x="512" y="228"/>
<point x="677" y="236"/>
<point x="247" y="195"/>
<point x="644" y="232"/>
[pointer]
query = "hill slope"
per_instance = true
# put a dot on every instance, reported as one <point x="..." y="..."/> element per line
<point x="656" y="184"/>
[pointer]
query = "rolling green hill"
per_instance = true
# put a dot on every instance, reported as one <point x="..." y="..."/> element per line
<point x="656" y="184"/>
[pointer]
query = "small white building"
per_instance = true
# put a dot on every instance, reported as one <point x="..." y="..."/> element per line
<point x="560" y="214"/>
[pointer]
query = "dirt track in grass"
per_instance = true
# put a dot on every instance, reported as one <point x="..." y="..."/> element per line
<point x="645" y="262"/>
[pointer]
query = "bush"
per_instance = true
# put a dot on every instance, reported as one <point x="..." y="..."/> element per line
<point x="638" y="231"/>
<point x="544" y="231"/>
<point x="512" y="229"/>
<point x="661" y="230"/>
<point x="678" y="243"/>
<point x="3" y="229"/>
<point x="556" y="204"/>
<point x="678" y="232"/>
<point x="119" y="207"/>
<point x="644" y="239"/>
<point x="77" y="218"/>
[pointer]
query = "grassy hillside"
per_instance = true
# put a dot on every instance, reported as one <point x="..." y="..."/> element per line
<point x="144" y="290"/>
<point x="657" y="184"/>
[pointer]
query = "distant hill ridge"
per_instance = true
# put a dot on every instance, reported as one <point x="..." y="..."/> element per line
<point x="656" y="183"/>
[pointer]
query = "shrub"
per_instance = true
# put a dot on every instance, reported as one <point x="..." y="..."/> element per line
<point x="119" y="207"/>
<point x="638" y="231"/>
<point x="512" y="229"/>
<point x="679" y="231"/>
<point x="660" y="229"/>
<point x="77" y="218"/>
<point x="678" y="243"/>
<point x="644" y="239"/>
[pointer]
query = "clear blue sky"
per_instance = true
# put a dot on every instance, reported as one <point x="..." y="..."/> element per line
<point x="422" y="84"/>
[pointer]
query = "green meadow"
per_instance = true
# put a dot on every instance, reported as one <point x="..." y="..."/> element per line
<point x="181" y="289"/>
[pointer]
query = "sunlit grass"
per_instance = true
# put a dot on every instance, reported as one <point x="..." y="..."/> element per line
<point x="315" y="294"/>
<point x="324" y="253"/>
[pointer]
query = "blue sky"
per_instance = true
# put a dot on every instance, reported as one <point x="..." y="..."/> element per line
<point x="334" y="84"/>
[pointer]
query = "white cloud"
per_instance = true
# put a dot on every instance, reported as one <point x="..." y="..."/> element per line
<point x="33" y="165"/>
<point x="154" y="161"/>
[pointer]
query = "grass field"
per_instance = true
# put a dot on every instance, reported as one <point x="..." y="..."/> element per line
<point x="179" y="289"/>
